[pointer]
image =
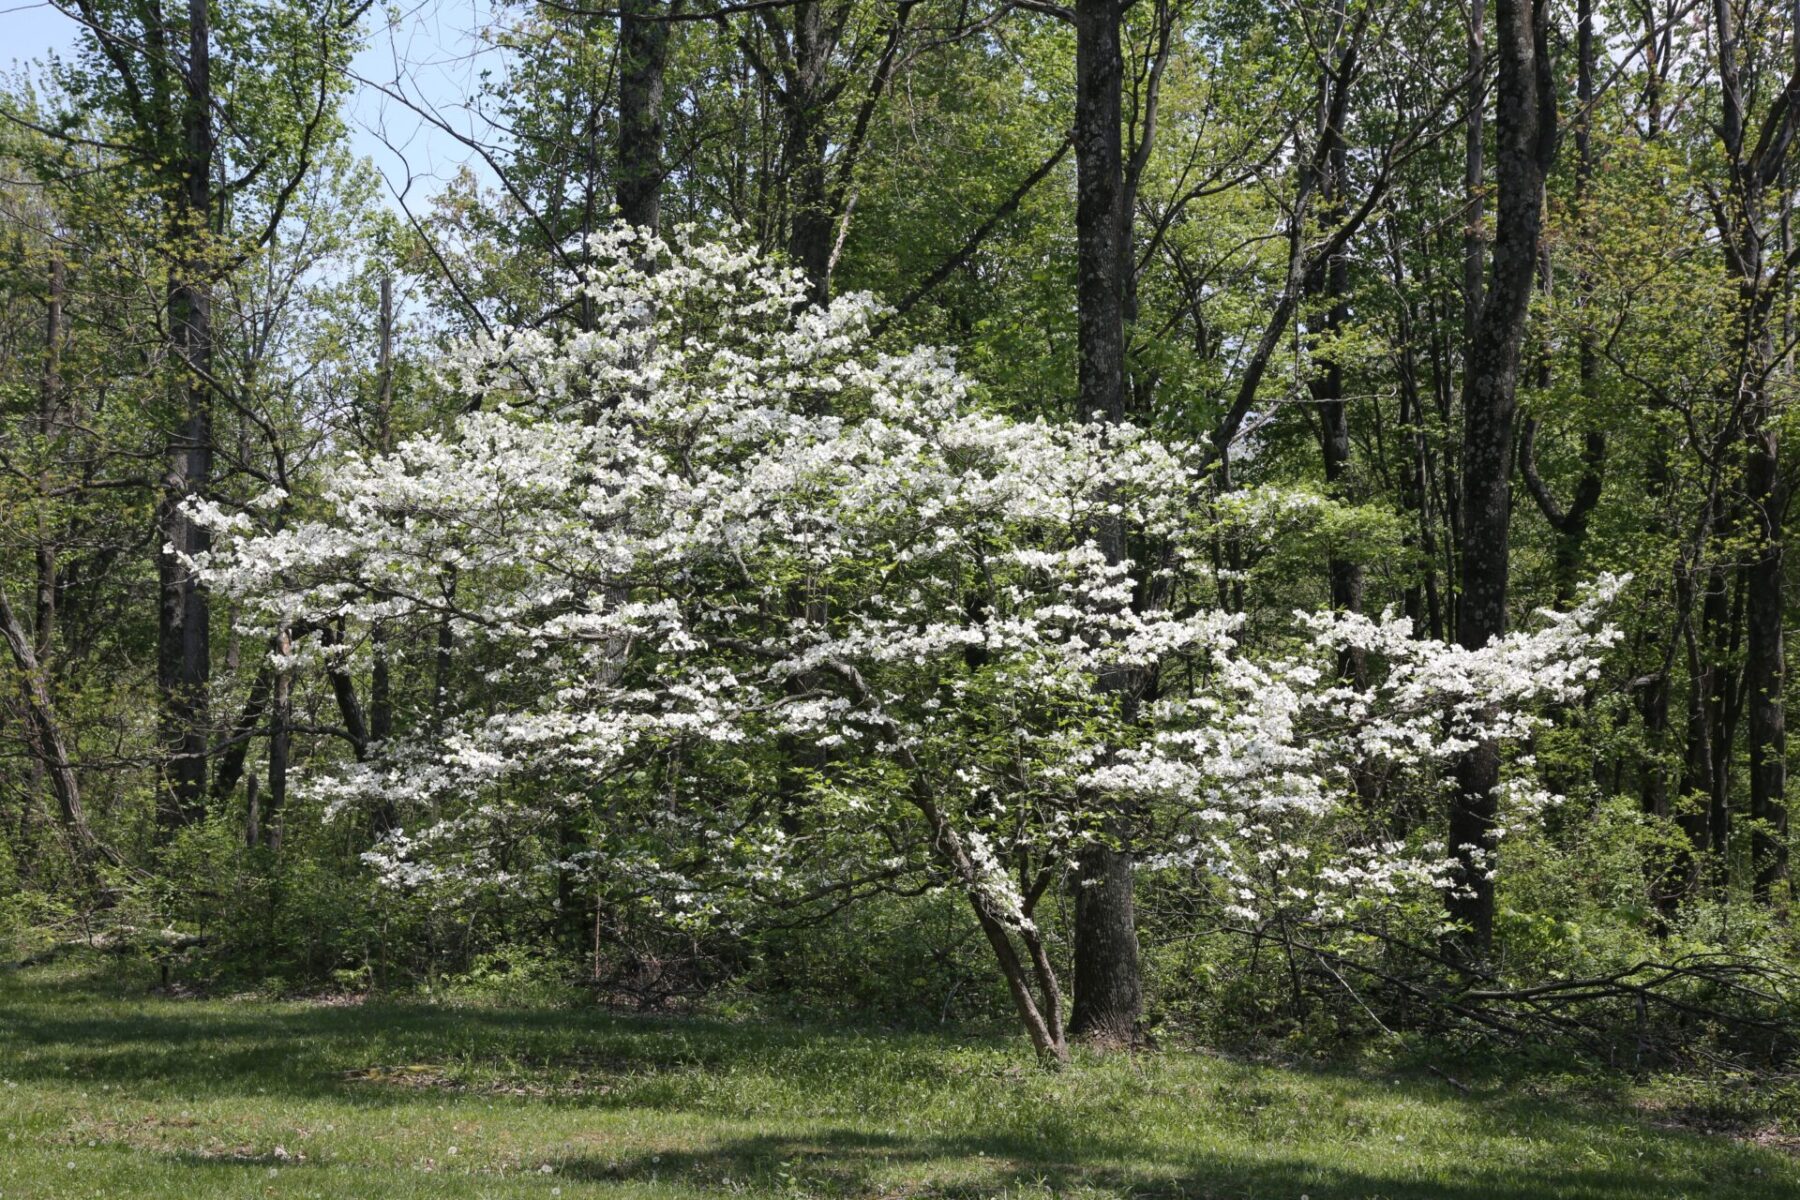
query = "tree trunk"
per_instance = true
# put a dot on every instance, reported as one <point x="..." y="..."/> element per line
<point x="1331" y="281"/>
<point x="1571" y="523"/>
<point x="343" y="690"/>
<point x="252" y="812"/>
<point x="1756" y="163"/>
<point x="183" y="617"/>
<point x="237" y="747"/>
<point x="811" y="222"/>
<point x="50" y="425"/>
<point x="281" y="719"/>
<point x="45" y="738"/>
<point x="1108" y="1001"/>
<point x="381" y="702"/>
<point x="1474" y="129"/>
<point x="1765" y="668"/>
<point x="643" y="52"/>
<point x="1422" y="602"/>
<point x="1525" y="127"/>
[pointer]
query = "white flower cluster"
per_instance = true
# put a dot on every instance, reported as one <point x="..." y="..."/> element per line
<point x="721" y="523"/>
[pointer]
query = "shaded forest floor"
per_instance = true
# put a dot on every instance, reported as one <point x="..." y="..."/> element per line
<point x="105" y="1091"/>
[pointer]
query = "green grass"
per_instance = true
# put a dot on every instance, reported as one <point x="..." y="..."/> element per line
<point x="113" y="1094"/>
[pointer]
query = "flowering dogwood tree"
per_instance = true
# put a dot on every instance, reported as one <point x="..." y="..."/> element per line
<point x="774" y="614"/>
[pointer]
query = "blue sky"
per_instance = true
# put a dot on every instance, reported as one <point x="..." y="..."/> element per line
<point x="432" y="51"/>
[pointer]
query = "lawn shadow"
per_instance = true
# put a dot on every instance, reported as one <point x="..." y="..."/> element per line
<point x="849" y="1162"/>
<point x="64" y="1031"/>
<point x="1063" y="1132"/>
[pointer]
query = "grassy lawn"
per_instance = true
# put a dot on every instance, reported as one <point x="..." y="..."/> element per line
<point x="112" y="1094"/>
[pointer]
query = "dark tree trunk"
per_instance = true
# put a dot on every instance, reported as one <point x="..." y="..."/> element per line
<point x="343" y="690"/>
<point x="1766" y="491"/>
<point x="811" y="221"/>
<point x="1756" y="163"/>
<point x="281" y="719"/>
<point x="1525" y="128"/>
<point x="446" y="643"/>
<point x="1108" y="1002"/>
<point x="1765" y="667"/>
<point x="1696" y="763"/>
<point x="1654" y="701"/>
<point x="1423" y="603"/>
<point x="1730" y="705"/>
<point x="1705" y="775"/>
<point x="381" y="701"/>
<point x="1571" y="522"/>
<point x="183" y="616"/>
<point x="1331" y="281"/>
<point x="45" y="739"/>
<point x="797" y="71"/>
<point x="643" y="53"/>
<point x="51" y="420"/>
<point x="1653" y="708"/>
<point x="1474" y="151"/>
<point x="252" y="812"/>
<point x="237" y="747"/>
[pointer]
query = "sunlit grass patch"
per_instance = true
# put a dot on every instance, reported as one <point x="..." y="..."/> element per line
<point x="112" y="1093"/>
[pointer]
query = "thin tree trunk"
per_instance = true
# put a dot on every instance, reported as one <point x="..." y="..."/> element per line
<point x="50" y="423"/>
<point x="1571" y="522"/>
<point x="1756" y="163"/>
<point x="237" y="747"/>
<point x="1474" y="172"/>
<point x="343" y="690"/>
<point x="381" y="702"/>
<point x="45" y="737"/>
<point x="1765" y="667"/>
<point x="281" y="719"/>
<point x="252" y="812"/>
<point x="1423" y="603"/>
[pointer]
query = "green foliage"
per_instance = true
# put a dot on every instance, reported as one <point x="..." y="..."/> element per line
<point x="901" y="962"/>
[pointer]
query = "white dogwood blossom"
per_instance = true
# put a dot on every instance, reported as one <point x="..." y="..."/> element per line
<point x="772" y="612"/>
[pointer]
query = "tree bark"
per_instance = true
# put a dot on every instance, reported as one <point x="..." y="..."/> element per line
<point x="1331" y="282"/>
<point x="343" y="690"/>
<point x="237" y="748"/>
<point x="811" y="222"/>
<point x="1755" y="164"/>
<point x="1525" y="129"/>
<point x="50" y="424"/>
<point x="1474" y="171"/>
<point x="1765" y="667"/>
<point x="46" y="740"/>
<point x="1422" y="601"/>
<point x="643" y="54"/>
<point x="1570" y="522"/>
<point x="183" y="616"/>
<point x="281" y="720"/>
<point x="1108" y="1004"/>
<point x="381" y="701"/>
